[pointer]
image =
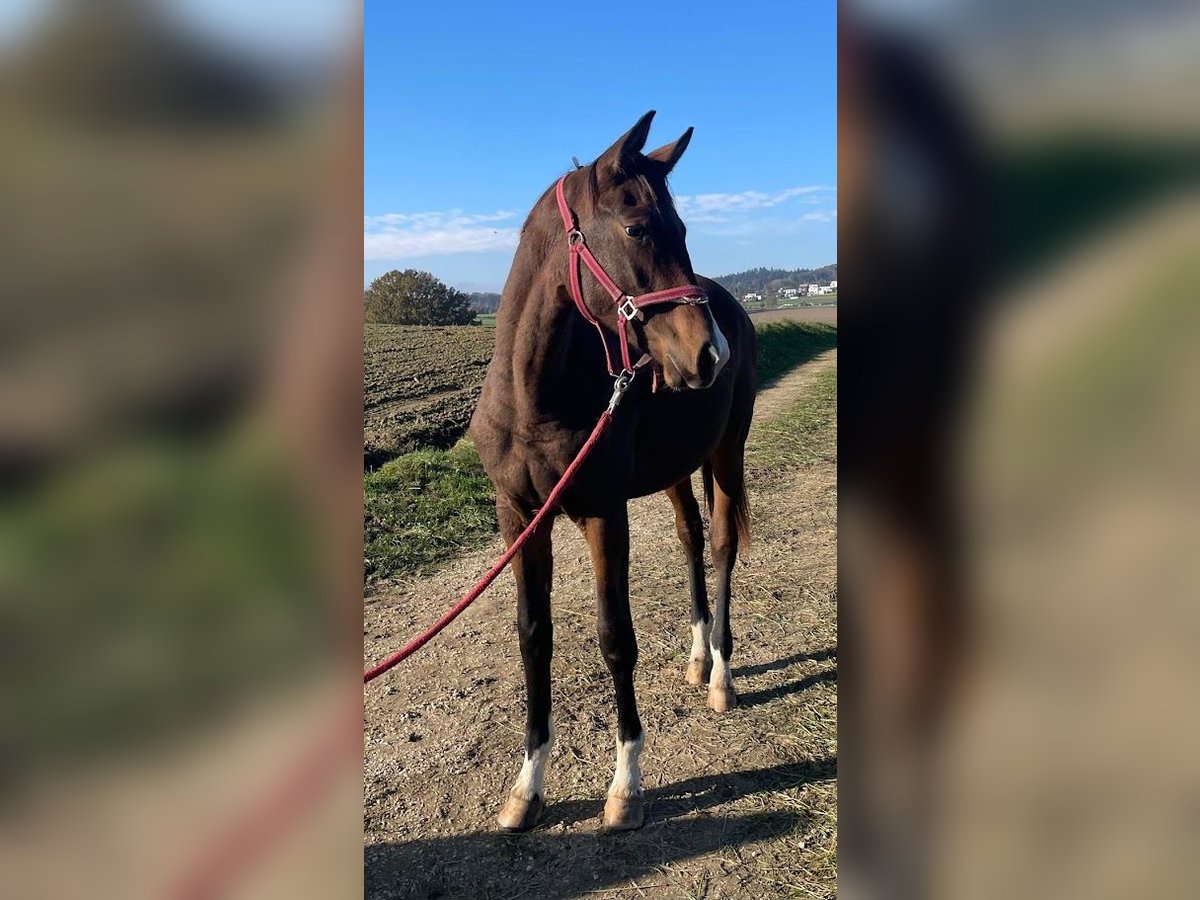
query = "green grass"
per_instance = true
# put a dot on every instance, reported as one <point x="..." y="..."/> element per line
<point x="784" y="345"/>
<point x="424" y="507"/>
<point x="801" y="437"/>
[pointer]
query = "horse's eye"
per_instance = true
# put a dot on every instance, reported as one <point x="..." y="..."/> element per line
<point x="635" y="231"/>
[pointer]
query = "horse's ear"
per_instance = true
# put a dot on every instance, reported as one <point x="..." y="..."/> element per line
<point x="623" y="155"/>
<point x="668" y="154"/>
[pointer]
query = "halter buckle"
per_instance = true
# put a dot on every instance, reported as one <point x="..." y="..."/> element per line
<point x="627" y="309"/>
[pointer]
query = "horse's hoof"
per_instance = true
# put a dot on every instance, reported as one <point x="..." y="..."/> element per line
<point x="721" y="699"/>
<point x="624" y="813"/>
<point x="696" y="671"/>
<point x="519" y="814"/>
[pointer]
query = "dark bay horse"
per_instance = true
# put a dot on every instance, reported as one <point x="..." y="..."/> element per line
<point x="547" y="385"/>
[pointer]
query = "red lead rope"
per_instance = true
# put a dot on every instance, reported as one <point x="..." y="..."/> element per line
<point x="482" y="585"/>
<point x="250" y="835"/>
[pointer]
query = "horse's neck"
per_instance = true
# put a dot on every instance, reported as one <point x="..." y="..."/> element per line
<point x="554" y="358"/>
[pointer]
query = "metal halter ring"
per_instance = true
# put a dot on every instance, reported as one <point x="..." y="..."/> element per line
<point x="628" y="310"/>
<point x="620" y="386"/>
<point x="574" y="237"/>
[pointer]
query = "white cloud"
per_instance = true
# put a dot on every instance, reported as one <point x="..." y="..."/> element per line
<point x="401" y="235"/>
<point x="453" y="217"/>
<point x="823" y="215"/>
<point x="391" y="236"/>
<point x="768" y="227"/>
<point x="399" y="245"/>
<point x="726" y="207"/>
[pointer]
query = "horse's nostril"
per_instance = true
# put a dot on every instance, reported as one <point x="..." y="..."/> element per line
<point x="707" y="361"/>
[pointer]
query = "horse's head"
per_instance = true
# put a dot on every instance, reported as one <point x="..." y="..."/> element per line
<point x="631" y="226"/>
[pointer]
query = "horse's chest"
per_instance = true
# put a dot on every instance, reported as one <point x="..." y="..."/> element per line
<point x="667" y="451"/>
<point x="654" y="442"/>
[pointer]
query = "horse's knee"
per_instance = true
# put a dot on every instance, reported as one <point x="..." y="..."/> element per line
<point x="536" y="636"/>
<point x="691" y="534"/>
<point x="724" y="546"/>
<point x="619" y="647"/>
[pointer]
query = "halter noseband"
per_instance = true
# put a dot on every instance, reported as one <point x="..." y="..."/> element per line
<point x="628" y="307"/>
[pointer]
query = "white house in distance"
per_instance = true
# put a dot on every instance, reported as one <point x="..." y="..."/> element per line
<point x="752" y="298"/>
<point x="833" y="285"/>
<point x="789" y="293"/>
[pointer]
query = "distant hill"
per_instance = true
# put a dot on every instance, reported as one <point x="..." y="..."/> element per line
<point x="769" y="282"/>
<point x="484" y="302"/>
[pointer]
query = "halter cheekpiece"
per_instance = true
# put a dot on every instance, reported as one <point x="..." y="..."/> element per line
<point x="629" y="307"/>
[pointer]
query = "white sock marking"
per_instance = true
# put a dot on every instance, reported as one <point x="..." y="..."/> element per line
<point x="700" y="635"/>
<point x="720" y="671"/>
<point x="533" y="771"/>
<point x="627" y="781"/>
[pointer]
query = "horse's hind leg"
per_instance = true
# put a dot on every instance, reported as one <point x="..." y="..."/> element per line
<point x="608" y="540"/>
<point x="533" y="568"/>
<point x="690" y="528"/>
<point x="729" y="523"/>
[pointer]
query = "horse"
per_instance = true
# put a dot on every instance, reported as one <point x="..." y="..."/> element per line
<point x="687" y="405"/>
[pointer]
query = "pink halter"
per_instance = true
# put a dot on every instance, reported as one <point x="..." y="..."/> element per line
<point x="628" y="307"/>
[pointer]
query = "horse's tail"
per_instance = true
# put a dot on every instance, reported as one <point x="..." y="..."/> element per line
<point x="707" y="477"/>
<point x="741" y="515"/>
<point x="741" y="508"/>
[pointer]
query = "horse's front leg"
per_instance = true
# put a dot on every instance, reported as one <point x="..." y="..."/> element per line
<point x="533" y="567"/>
<point x="608" y="539"/>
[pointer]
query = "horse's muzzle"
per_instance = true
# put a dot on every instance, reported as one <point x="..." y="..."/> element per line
<point x="709" y="362"/>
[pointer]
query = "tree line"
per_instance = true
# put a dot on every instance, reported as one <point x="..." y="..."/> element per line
<point x="769" y="282"/>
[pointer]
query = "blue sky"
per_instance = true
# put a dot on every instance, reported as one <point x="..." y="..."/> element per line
<point x="473" y="109"/>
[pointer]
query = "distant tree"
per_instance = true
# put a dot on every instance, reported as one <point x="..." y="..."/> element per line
<point x="412" y="297"/>
<point x="484" y="302"/>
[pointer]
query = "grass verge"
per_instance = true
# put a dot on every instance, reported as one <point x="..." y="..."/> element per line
<point x="784" y="345"/>
<point x="802" y="436"/>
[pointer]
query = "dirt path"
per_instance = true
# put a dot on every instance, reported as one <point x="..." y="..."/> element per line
<point x="739" y="805"/>
<point x="797" y="314"/>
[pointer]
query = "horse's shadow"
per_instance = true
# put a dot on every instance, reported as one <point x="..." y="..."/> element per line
<point x="754" y="698"/>
<point x="552" y="862"/>
<point x="760" y="668"/>
<point x="766" y="695"/>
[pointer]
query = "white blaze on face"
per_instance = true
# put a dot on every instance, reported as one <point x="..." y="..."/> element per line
<point x="533" y="771"/>
<point x="720" y="346"/>
<point x="700" y="634"/>
<point x="627" y="781"/>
